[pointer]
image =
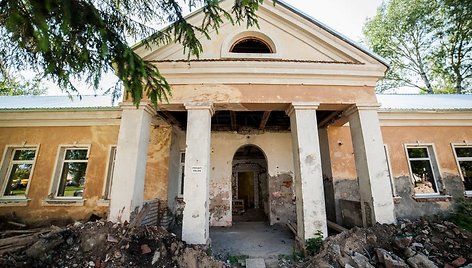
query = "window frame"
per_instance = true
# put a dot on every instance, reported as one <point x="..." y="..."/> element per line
<point x="461" y="145"/>
<point x="6" y="166"/>
<point x="434" y="165"/>
<point x="390" y="173"/>
<point x="112" y="149"/>
<point x="180" y="193"/>
<point x="60" y="157"/>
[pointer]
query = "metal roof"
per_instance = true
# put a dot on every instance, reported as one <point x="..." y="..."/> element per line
<point x="425" y="101"/>
<point x="55" y="102"/>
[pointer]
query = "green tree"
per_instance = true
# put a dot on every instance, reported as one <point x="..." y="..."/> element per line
<point x="454" y="57"/>
<point x="11" y="86"/>
<point x="402" y="32"/>
<point x="67" y="39"/>
<point x="427" y="42"/>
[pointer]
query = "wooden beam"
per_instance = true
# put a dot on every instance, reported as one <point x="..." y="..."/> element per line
<point x="265" y="118"/>
<point x="329" y="119"/>
<point x="338" y="228"/>
<point x="233" y="120"/>
<point x="172" y="119"/>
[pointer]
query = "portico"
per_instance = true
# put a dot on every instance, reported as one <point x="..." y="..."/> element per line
<point x="281" y="100"/>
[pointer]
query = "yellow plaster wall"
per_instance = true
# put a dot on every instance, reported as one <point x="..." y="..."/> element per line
<point x="440" y="137"/>
<point x="157" y="167"/>
<point x="49" y="138"/>
<point x="395" y="137"/>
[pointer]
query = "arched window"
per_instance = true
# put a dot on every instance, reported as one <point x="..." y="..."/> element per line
<point x="251" y="45"/>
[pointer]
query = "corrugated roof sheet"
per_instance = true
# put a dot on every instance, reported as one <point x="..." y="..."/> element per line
<point x="54" y="102"/>
<point x="425" y="101"/>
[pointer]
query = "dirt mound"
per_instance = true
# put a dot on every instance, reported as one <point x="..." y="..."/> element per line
<point x="99" y="244"/>
<point x="408" y="244"/>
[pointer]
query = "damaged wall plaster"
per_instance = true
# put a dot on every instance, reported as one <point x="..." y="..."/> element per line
<point x="278" y="150"/>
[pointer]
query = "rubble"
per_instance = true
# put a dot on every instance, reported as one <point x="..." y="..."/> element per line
<point x="100" y="244"/>
<point x="419" y="244"/>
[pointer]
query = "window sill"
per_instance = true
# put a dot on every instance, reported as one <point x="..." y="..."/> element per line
<point x="63" y="202"/>
<point x="103" y="202"/>
<point x="432" y="198"/>
<point x="9" y="202"/>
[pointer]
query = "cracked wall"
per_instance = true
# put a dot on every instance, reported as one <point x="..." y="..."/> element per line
<point x="278" y="151"/>
<point x="407" y="205"/>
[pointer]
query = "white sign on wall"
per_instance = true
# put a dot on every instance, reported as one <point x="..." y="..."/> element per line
<point x="197" y="169"/>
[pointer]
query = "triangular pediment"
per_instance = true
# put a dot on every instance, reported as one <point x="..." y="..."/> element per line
<point x="295" y="36"/>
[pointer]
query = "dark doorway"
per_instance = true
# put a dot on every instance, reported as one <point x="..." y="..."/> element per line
<point x="250" y="185"/>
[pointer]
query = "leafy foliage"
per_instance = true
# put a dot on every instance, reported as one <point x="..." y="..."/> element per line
<point x="427" y="42"/>
<point x="11" y="86"/>
<point x="462" y="216"/>
<point x="313" y="245"/>
<point x="73" y="39"/>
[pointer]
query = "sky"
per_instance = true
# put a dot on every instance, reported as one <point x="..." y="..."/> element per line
<point x="345" y="16"/>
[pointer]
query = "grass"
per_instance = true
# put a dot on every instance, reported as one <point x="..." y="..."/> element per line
<point x="234" y="260"/>
<point x="69" y="191"/>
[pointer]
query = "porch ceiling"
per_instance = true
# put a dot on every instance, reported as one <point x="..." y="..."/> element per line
<point x="247" y="120"/>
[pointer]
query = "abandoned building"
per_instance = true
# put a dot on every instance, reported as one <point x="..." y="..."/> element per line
<point x="280" y="123"/>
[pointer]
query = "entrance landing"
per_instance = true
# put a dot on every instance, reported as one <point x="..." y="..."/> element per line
<point x="252" y="239"/>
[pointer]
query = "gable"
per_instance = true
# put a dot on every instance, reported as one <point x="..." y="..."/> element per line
<point x="294" y="37"/>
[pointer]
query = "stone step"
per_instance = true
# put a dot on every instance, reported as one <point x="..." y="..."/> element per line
<point x="255" y="263"/>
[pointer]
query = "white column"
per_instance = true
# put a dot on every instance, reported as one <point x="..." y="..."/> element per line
<point x="195" y="225"/>
<point x="371" y="165"/>
<point x="311" y="211"/>
<point x="127" y="189"/>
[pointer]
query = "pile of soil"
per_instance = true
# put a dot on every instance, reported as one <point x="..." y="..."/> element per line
<point x="99" y="244"/>
<point x="422" y="243"/>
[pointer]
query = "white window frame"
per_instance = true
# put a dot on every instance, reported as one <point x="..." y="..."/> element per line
<point x="61" y="153"/>
<point x="461" y="145"/>
<point x="181" y="173"/>
<point x="7" y="164"/>
<point x="109" y="172"/>
<point x="432" y="162"/>
<point x="390" y="174"/>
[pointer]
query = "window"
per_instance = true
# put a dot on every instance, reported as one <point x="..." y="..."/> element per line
<point x="251" y="45"/>
<point x="70" y="172"/>
<point x="16" y="171"/>
<point x="110" y="170"/>
<point x="464" y="161"/>
<point x="423" y="169"/>
<point x="181" y="174"/>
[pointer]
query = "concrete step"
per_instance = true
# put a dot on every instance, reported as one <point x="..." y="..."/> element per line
<point x="255" y="263"/>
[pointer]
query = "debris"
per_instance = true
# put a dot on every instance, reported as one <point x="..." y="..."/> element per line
<point x="145" y="249"/>
<point x="17" y="224"/>
<point x="100" y="244"/>
<point x="403" y="245"/>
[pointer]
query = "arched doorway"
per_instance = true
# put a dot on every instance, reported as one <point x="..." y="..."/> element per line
<point x="250" y="185"/>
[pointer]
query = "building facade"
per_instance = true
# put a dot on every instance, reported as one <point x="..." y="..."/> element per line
<point x="281" y="121"/>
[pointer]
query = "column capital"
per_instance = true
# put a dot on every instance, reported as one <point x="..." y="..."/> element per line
<point x="361" y="107"/>
<point x="302" y="106"/>
<point x="143" y="105"/>
<point x="200" y="106"/>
